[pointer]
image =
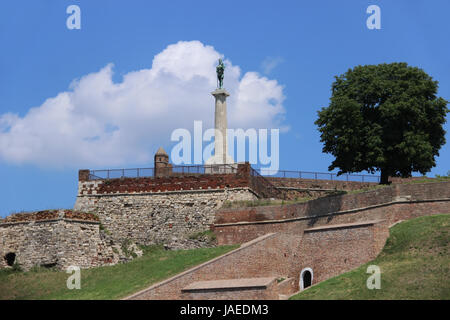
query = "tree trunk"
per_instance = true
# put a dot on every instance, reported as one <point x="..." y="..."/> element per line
<point x="384" y="177"/>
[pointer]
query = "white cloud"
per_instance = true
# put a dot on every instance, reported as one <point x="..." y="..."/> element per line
<point x="270" y="63"/>
<point x="99" y="123"/>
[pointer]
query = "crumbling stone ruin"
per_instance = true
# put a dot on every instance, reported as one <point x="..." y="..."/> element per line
<point x="56" y="238"/>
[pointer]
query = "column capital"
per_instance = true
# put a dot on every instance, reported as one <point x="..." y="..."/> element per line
<point x="219" y="92"/>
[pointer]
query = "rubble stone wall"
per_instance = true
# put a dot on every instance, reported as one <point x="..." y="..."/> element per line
<point x="159" y="217"/>
<point x="57" y="238"/>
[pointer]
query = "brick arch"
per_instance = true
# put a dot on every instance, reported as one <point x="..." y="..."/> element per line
<point x="303" y="273"/>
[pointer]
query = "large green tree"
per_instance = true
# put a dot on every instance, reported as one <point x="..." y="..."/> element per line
<point x="384" y="118"/>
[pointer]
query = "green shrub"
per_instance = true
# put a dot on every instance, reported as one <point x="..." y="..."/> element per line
<point x="208" y="234"/>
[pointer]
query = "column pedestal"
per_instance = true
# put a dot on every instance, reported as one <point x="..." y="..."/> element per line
<point x="220" y="131"/>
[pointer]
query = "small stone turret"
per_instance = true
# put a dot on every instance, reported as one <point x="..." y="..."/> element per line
<point x="162" y="166"/>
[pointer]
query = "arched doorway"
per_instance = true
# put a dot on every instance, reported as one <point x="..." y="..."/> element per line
<point x="306" y="278"/>
<point x="10" y="258"/>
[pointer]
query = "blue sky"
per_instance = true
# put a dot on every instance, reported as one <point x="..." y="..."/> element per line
<point x="291" y="49"/>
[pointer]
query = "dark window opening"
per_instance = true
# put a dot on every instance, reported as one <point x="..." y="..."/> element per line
<point x="306" y="279"/>
<point x="10" y="258"/>
<point x="49" y="265"/>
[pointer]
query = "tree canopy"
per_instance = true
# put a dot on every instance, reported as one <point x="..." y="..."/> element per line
<point x="384" y="118"/>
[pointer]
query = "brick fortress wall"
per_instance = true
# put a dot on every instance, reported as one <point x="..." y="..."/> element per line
<point x="334" y="249"/>
<point x="327" y="251"/>
<point x="274" y="254"/>
<point x="394" y="203"/>
<point x="298" y="187"/>
<point x="329" y="236"/>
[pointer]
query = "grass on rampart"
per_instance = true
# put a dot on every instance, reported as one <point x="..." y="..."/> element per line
<point x="109" y="282"/>
<point x="262" y="202"/>
<point x="414" y="264"/>
<point x="438" y="178"/>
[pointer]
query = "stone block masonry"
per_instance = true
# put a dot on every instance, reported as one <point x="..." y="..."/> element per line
<point x="159" y="217"/>
<point x="152" y="210"/>
<point x="56" y="238"/>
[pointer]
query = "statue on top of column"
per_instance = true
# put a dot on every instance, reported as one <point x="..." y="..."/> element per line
<point x="220" y="70"/>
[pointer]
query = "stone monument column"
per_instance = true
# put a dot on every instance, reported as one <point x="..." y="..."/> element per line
<point x="220" y="124"/>
<point x="220" y="129"/>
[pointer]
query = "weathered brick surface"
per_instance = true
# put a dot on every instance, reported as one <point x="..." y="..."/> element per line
<point x="83" y="175"/>
<point x="33" y="216"/>
<point x="293" y="188"/>
<point x="282" y="255"/>
<point x="330" y="236"/>
<point x="315" y="188"/>
<point x="319" y="184"/>
<point x="330" y="252"/>
<point x="269" y="293"/>
<point x="287" y="286"/>
<point x="270" y="256"/>
<point x="398" y="180"/>
<point x="49" y="215"/>
<point x="324" y="184"/>
<point x="163" y="184"/>
<point x="399" y="202"/>
<point x="242" y="232"/>
<point x="266" y="292"/>
<point x="241" y="178"/>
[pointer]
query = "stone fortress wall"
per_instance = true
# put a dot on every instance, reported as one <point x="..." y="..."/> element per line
<point x="157" y="209"/>
<point x="160" y="217"/>
<point x="57" y="238"/>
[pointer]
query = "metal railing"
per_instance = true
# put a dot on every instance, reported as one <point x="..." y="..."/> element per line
<point x="121" y="173"/>
<point x="318" y="175"/>
<point x="263" y="186"/>
<point x="227" y="168"/>
<point x="168" y="171"/>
